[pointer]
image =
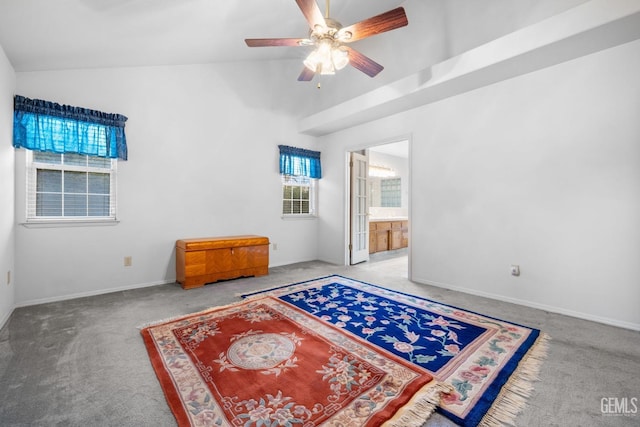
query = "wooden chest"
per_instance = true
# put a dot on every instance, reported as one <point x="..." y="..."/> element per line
<point x="200" y="261"/>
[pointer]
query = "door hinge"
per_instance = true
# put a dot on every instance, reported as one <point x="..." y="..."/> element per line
<point x="350" y="247"/>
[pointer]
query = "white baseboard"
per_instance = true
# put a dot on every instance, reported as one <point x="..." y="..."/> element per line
<point x="90" y="293"/>
<point x="545" y="307"/>
<point x="283" y="263"/>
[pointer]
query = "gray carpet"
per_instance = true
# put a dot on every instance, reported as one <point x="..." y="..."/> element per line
<point x="82" y="362"/>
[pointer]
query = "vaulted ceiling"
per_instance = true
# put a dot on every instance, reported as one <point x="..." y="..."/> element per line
<point x="67" y="34"/>
<point x="39" y="35"/>
<point x="45" y="34"/>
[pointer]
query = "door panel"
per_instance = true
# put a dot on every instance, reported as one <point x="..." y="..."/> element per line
<point x="359" y="209"/>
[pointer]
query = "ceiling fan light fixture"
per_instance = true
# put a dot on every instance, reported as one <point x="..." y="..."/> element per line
<point x="340" y="57"/>
<point x="320" y="63"/>
<point x="327" y="58"/>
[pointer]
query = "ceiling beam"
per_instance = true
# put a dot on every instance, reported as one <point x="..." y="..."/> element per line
<point x="583" y="30"/>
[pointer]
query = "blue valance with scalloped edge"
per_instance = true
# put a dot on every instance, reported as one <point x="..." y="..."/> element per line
<point x="300" y="162"/>
<point x="48" y="126"/>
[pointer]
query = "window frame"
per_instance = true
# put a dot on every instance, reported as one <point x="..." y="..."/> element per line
<point x="311" y="183"/>
<point x="32" y="167"/>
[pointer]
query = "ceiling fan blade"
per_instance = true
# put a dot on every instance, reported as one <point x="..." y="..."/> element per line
<point x="363" y="63"/>
<point x="306" y="75"/>
<point x="276" y="42"/>
<point x="387" y="21"/>
<point x="311" y="12"/>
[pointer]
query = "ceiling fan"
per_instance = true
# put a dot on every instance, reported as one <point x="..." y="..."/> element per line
<point x="330" y="40"/>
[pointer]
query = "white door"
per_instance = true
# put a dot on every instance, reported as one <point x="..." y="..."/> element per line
<point x="359" y="209"/>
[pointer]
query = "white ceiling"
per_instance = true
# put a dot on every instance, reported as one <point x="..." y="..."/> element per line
<point x="398" y="149"/>
<point x="64" y="34"/>
<point x="39" y="35"/>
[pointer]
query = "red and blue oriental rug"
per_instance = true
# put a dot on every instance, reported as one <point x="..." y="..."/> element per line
<point x="264" y="362"/>
<point x="487" y="364"/>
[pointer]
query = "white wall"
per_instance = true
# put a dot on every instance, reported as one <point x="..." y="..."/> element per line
<point x="542" y="170"/>
<point x="7" y="162"/>
<point x="203" y="161"/>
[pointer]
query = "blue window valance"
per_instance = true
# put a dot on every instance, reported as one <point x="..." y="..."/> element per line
<point x="300" y="162"/>
<point x="48" y="126"/>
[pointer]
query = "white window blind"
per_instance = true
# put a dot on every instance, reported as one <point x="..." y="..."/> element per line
<point x="298" y="195"/>
<point x="70" y="187"/>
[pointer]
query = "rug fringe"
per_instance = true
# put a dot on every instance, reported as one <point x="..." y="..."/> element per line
<point x="420" y="407"/>
<point x="160" y="322"/>
<point x="514" y="394"/>
<point x="258" y="292"/>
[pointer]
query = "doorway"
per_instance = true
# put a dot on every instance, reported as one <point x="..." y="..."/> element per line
<point x="378" y="214"/>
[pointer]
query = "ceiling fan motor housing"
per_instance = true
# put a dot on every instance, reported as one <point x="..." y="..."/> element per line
<point x="331" y="30"/>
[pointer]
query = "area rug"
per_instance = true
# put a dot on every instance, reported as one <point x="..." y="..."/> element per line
<point x="489" y="364"/>
<point x="265" y="363"/>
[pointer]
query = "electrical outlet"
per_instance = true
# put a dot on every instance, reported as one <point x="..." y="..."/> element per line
<point x="127" y="261"/>
<point x="515" y="270"/>
<point x="275" y="246"/>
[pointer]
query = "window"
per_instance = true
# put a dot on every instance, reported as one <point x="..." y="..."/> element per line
<point x="300" y="170"/>
<point x="390" y="193"/>
<point x="298" y="195"/>
<point x="70" y="187"/>
<point x="72" y="157"/>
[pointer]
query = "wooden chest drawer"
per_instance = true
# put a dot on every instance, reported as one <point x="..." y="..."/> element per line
<point x="195" y="263"/>
<point x="200" y="261"/>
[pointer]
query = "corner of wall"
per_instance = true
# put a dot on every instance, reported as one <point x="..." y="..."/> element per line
<point x="7" y="189"/>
